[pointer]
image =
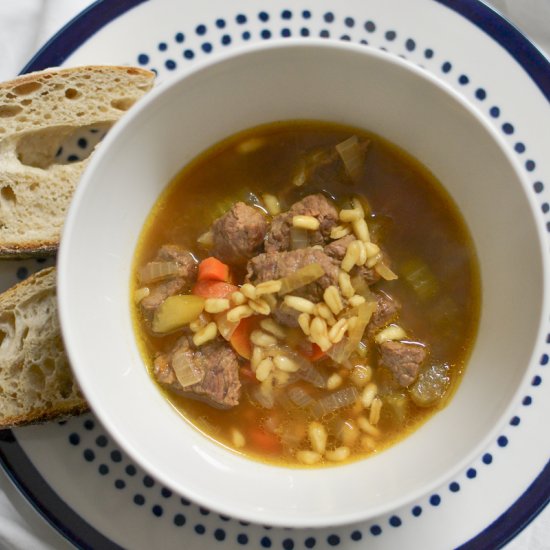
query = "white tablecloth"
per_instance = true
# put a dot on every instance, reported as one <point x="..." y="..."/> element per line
<point x="24" y="26"/>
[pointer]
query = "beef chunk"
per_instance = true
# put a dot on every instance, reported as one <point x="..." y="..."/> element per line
<point x="386" y="311"/>
<point x="178" y="254"/>
<point x="318" y="206"/>
<point x="281" y="264"/>
<point x="239" y="234"/>
<point x="275" y="265"/>
<point x="337" y="250"/>
<point x="216" y="360"/>
<point x="403" y="359"/>
<point x="187" y="274"/>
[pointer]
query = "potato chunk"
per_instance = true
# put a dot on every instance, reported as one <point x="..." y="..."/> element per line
<point x="177" y="311"/>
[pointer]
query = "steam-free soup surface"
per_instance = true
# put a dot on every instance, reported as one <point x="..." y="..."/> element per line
<point x="306" y="293"/>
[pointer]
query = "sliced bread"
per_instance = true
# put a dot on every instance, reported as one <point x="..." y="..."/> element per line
<point x="36" y="382"/>
<point x="39" y="114"/>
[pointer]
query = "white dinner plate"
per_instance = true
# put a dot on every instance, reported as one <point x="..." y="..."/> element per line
<point x="74" y="475"/>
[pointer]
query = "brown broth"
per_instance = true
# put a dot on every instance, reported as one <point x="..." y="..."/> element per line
<point x="417" y="224"/>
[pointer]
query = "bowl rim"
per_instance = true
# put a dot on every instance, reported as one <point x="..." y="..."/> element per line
<point x="290" y="519"/>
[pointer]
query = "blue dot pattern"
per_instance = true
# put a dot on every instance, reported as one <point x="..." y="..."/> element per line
<point x="416" y="511"/>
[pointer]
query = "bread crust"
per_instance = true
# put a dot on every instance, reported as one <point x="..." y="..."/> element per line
<point x="40" y="113"/>
<point x="36" y="381"/>
<point x="53" y="71"/>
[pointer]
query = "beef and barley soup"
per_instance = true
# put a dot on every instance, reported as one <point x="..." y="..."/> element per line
<point x="305" y="293"/>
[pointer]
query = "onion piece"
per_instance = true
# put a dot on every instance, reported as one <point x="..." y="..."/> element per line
<point x="186" y="372"/>
<point x="340" y="352"/>
<point x="294" y="433"/>
<point x="206" y="239"/>
<point x="225" y="327"/>
<point x="385" y="272"/>
<point x="156" y="271"/>
<point x="300" y="397"/>
<point x="420" y="277"/>
<point x="334" y="401"/>
<point x="361" y="287"/>
<point x="352" y="156"/>
<point x="265" y="400"/>
<point x="301" y="277"/>
<point x="310" y="374"/>
<point x="307" y="371"/>
<point x="355" y="335"/>
<point x="299" y="238"/>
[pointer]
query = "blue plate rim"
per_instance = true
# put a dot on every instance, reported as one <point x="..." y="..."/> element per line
<point x="65" y="42"/>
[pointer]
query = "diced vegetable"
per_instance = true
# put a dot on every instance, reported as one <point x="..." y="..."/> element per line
<point x="361" y="287"/>
<point x="300" y="397"/>
<point x="186" y="372"/>
<point x="301" y="277"/>
<point x="397" y="404"/>
<point x="353" y="157"/>
<point x="265" y="400"/>
<point x="206" y="239"/>
<point x="334" y="401"/>
<point x="240" y="339"/>
<point x="264" y="441"/>
<point x="294" y="432"/>
<point x="152" y="272"/>
<point x="177" y="311"/>
<point x="385" y="272"/>
<point x="420" y="278"/>
<point x="341" y="351"/>
<point x="310" y="374"/>
<point x="225" y="327"/>
<point x="211" y="269"/>
<point x="431" y="385"/>
<point x="312" y="352"/>
<point x="355" y="334"/>
<point x="272" y="422"/>
<point x="214" y="289"/>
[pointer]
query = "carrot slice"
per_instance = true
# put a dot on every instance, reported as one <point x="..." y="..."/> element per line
<point x="264" y="441"/>
<point x="214" y="289"/>
<point x="240" y="339"/>
<point x="211" y="269"/>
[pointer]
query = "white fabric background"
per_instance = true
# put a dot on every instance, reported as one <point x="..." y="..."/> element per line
<point x="24" y="26"/>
